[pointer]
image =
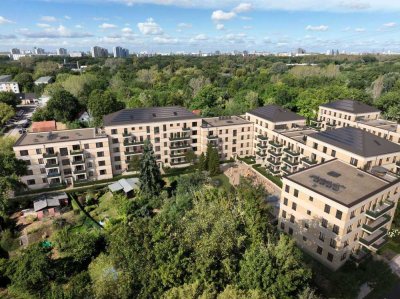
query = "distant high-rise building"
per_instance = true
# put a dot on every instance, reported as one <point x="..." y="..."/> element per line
<point x="38" y="51"/>
<point x="61" y="52"/>
<point x="301" y="51"/>
<point x="15" y="51"/>
<point x="76" y="54"/>
<point x="99" y="52"/>
<point x="120" y="52"/>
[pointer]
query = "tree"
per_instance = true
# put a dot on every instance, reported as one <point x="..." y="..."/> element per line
<point x="102" y="103"/>
<point x="25" y="81"/>
<point x="213" y="162"/>
<point x="9" y="98"/>
<point x="6" y="112"/>
<point x="63" y="106"/>
<point x="202" y="162"/>
<point x="45" y="68"/>
<point x="134" y="163"/>
<point x="190" y="156"/>
<point x="31" y="270"/>
<point x="150" y="176"/>
<point x="278" y="68"/>
<point x="41" y="114"/>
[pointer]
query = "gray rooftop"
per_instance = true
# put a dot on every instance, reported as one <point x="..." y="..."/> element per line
<point x="351" y="106"/>
<point x="145" y="115"/>
<point x="340" y="182"/>
<point x="275" y="113"/>
<point x="357" y="141"/>
<point x="126" y="185"/>
<point x="222" y="121"/>
<point x="5" y="78"/>
<point x="57" y="136"/>
<point x="49" y="200"/>
<point x="45" y="79"/>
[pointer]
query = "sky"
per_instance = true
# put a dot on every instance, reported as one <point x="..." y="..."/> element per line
<point x="165" y="26"/>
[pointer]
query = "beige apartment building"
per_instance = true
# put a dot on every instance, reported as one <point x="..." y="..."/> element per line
<point x="64" y="157"/>
<point x="334" y="210"/>
<point x="343" y="113"/>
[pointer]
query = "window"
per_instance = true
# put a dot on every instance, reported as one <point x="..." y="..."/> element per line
<point x="103" y="172"/>
<point x="284" y="214"/>
<point x="287" y="188"/>
<point x="321" y="236"/>
<point x="353" y="161"/>
<point x="102" y="163"/>
<point x="319" y="250"/>
<point x="290" y="231"/>
<point x="99" y="144"/>
<point x="292" y="218"/>
<point x="332" y="243"/>
<point x="335" y="229"/>
<point x="86" y="145"/>
<point x="333" y="153"/>
<point x="194" y="124"/>
<point x="100" y="154"/>
<point x="324" y="223"/>
<point x="117" y="158"/>
<point x="42" y="170"/>
<point x="282" y="225"/>
<point x="324" y="149"/>
<point x="327" y="209"/>
<point x="306" y="225"/>
<point x="352" y="214"/>
<point x="339" y="214"/>
<point x="38" y="151"/>
<point x="346" y="243"/>
<point x="116" y="149"/>
<point x="294" y="206"/>
<point x="285" y="201"/>
<point x="349" y="229"/>
<point x="41" y="161"/>
<point x="65" y="162"/>
<point x="330" y="257"/>
<point x="31" y="182"/>
<point x="67" y="171"/>
<point x="23" y="153"/>
<point x="311" y="198"/>
<point x="29" y="172"/>
<point x="296" y="193"/>
<point x="114" y="131"/>
<point x="343" y="257"/>
<point x="115" y="140"/>
<point x="64" y="151"/>
<point x="308" y="212"/>
<point x="304" y="239"/>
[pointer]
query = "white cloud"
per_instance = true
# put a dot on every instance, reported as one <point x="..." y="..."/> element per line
<point x="67" y="17"/>
<point x="78" y="26"/>
<point x="238" y="38"/>
<point x="3" y="20"/>
<point x="100" y="19"/>
<point x="359" y="29"/>
<point x="165" y="40"/>
<point x="242" y="7"/>
<point x="244" y="18"/>
<point x="317" y="28"/>
<point x="219" y="15"/>
<point x="107" y="26"/>
<point x="150" y="27"/>
<point x="56" y="32"/>
<point x="7" y="36"/>
<point x="390" y="24"/>
<point x="48" y="19"/>
<point x="185" y="25"/>
<point x="247" y="27"/>
<point x="43" y="25"/>
<point x="220" y="26"/>
<point x="200" y="37"/>
<point x="126" y="30"/>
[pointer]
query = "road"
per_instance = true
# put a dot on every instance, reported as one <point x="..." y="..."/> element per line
<point x="28" y="111"/>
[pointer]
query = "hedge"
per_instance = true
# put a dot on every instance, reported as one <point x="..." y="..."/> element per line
<point x="277" y="181"/>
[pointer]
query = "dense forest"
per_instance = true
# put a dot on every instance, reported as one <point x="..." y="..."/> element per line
<point x="218" y="85"/>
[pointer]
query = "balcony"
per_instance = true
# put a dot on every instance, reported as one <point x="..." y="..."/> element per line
<point x="77" y="162"/>
<point x="53" y="174"/>
<point x="76" y="152"/>
<point x="273" y="171"/>
<point x="308" y="162"/>
<point x="291" y="153"/>
<point x="212" y="137"/>
<point x="285" y="170"/>
<point x="175" y="155"/>
<point x="290" y="163"/>
<point x="370" y="239"/>
<point x="179" y="146"/>
<point x="80" y="171"/>
<point x="132" y="153"/>
<point x="378" y="223"/>
<point x="261" y="154"/>
<point x="50" y="155"/>
<point x="275" y="154"/>
<point x="262" y="137"/>
<point x="380" y="243"/>
<point x="263" y="146"/>
<point x="273" y="162"/>
<point x="178" y="163"/>
<point x="178" y="138"/>
<point x="380" y="210"/>
<point x="79" y="180"/>
<point x="274" y="144"/>
<point x="51" y="165"/>
<point x="126" y="134"/>
<point x="186" y="129"/>
<point x="133" y="142"/>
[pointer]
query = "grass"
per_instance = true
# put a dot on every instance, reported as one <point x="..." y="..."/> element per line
<point x="248" y="160"/>
<point x="277" y="181"/>
<point x="106" y="208"/>
<point x="392" y="245"/>
<point x="224" y="181"/>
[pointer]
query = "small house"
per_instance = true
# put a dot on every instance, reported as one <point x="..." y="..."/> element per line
<point x="49" y="205"/>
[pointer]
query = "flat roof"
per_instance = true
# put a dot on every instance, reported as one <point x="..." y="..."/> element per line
<point x="222" y="121"/>
<point x="44" y="79"/>
<point x="275" y="113"/>
<point x="357" y="141"/>
<point x="340" y="182"/>
<point x="351" y="106"/>
<point x="297" y="134"/>
<point x="380" y="123"/>
<point x="57" y="136"/>
<point x="5" y="78"/>
<point x="144" y="115"/>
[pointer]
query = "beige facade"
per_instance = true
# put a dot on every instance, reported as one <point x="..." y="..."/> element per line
<point x="331" y="217"/>
<point x="9" y="87"/>
<point x="64" y="157"/>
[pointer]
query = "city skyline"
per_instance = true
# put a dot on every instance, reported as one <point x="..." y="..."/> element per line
<point x="182" y="26"/>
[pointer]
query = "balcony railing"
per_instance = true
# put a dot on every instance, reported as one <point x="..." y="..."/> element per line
<point x="291" y="153"/>
<point x="133" y="142"/>
<point x="212" y="137"/>
<point x="262" y="137"/>
<point x="179" y="162"/>
<point x="179" y="146"/>
<point x="273" y="153"/>
<point x="53" y="174"/>
<point x="378" y="223"/>
<point x="260" y="145"/>
<point x="79" y="171"/>
<point x="368" y="240"/>
<point x="380" y="210"/>
<point x="308" y="161"/>
<point x="291" y="163"/>
<point x="380" y="243"/>
<point x="50" y="155"/>
<point x="128" y="153"/>
<point x="186" y="129"/>
<point x="177" y="138"/>
<point x="275" y="144"/>
<point x="76" y="152"/>
<point x="286" y="170"/>
<point x="276" y="163"/>
<point x="77" y="162"/>
<point x="261" y="154"/>
<point x="177" y="155"/>
<point x="126" y="134"/>
<point x="51" y="165"/>
<point x="273" y="171"/>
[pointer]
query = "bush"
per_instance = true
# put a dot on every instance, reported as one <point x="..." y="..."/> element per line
<point x="277" y="181"/>
<point x="7" y="242"/>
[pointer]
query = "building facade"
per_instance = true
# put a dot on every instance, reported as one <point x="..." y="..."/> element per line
<point x="120" y="52"/>
<point x="98" y="52"/>
<point x="7" y="85"/>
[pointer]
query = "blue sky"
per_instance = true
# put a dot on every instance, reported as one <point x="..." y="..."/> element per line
<point x="192" y="25"/>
